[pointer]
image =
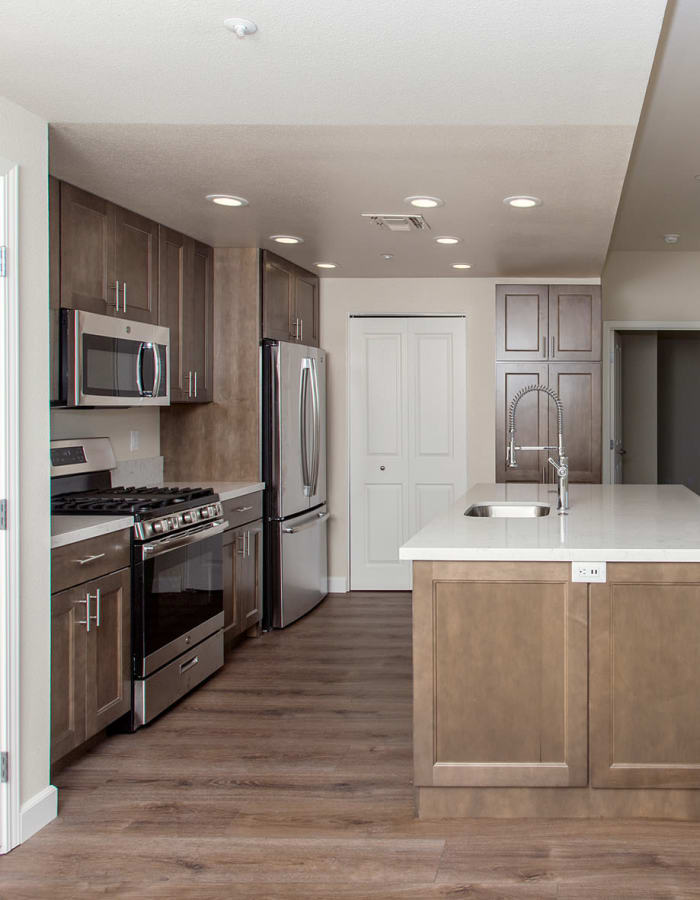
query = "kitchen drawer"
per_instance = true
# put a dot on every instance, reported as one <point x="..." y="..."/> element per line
<point x="85" y="560"/>
<point x="243" y="509"/>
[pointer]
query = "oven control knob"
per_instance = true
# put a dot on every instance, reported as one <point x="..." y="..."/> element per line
<point x="204" y="512"/>
<point x="212" y="510"/>
<point x="187" y="518"/>
<point x="157" y="527"/>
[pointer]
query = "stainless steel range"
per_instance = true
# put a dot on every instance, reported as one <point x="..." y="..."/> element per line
<point x="177" y="609"/>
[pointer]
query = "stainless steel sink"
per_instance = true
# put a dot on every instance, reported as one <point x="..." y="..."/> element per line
<point x="508" y="510"/>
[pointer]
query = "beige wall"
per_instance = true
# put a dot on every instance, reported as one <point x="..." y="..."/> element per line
<point x="24" y="141"/>
<point x="639" y="407"/>
<point x="651" y="285"/>
<point x="116" y="424"/>
<point x="475" y="298"/>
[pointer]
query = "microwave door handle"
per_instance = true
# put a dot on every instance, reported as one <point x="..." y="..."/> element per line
<point x="139" y="369"/>
<point x="156" y="370"/>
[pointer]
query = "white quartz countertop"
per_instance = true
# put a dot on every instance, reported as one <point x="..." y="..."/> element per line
<point x="611" y="523"/>
<point x="227" y="490"/>
<point x="71" y="529"/>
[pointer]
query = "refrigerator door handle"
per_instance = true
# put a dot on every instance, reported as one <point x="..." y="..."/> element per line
<point x="321" y="517"/>
<point x="317" y="427"/>
<point x="303" y="404"/>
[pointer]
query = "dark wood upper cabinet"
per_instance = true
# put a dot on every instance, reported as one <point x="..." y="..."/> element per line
<point x="171" y="305"/>
<point x="199" y="318"/>
<point x="136" y="265"/>
<point x="290" y="301"/>
<point x="548" y="322"/>
<point x="55" y="287"/>
<point x="575" y="322"/>
<point x="87" y="251"/>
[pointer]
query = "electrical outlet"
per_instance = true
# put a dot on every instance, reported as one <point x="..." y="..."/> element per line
<point x="588" y="571"/>
<point x="135" y="440"/>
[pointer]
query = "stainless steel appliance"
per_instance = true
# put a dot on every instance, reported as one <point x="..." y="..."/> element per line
<point x="107" y="361"/>
<point x="177" y="611"/>
<point x="294" y="470"/>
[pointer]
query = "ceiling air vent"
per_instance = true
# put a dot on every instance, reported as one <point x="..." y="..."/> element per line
<point x="397" y="222"/>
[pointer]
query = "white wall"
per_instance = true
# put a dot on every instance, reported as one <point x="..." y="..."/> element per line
<point x="652" y="285"/>
<point x="24" y="141"/>
<point x="116" y="424"/>
<point x="476" y="299"/>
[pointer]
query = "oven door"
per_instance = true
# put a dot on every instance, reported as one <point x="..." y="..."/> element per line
<point x="178" y="595"/>
<point x="114" y="362"/>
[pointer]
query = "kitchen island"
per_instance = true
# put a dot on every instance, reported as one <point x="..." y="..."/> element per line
<point x="538" y="695"/>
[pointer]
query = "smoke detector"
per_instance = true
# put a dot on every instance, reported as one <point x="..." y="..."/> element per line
<point x="397" y="221"/>
<point x="672" y="238"/>
<point x="240" y="27"/>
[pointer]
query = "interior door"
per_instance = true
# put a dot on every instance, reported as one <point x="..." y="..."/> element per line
<point x="617" y="450"/>
<point x="407" y="437"/>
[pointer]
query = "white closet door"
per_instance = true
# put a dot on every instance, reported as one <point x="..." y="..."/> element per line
<point x="407" y="438"/>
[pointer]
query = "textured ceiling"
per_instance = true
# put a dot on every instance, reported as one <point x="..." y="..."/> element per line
<point x="335" y="108"/>
<point x="662" y="194"/>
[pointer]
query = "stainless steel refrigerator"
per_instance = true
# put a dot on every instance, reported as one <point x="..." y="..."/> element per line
<point x="294" y="471"/>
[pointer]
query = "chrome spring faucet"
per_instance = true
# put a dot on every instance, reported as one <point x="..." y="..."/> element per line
<point x="562" y="464"/>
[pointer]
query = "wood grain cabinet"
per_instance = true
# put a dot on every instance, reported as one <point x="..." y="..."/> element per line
<point x="645" y="659"/>
<point x="90" y="656"/>
<point x="185" y="306"/>
<point x="548" y="322"/>
<point x="243" y="561"/>
<point x="290" y="301"/>
<point x="108" y="257"/>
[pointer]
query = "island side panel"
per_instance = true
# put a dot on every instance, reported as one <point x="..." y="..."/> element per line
<point x="500" y="675"/>
<point x="645" y="660"/>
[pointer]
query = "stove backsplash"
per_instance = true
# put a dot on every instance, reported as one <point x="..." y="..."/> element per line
<point x="138" y="472"/>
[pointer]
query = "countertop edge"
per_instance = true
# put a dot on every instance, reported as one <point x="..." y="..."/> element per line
<point x="466" y="554"/>
<point x="85" y="532"/>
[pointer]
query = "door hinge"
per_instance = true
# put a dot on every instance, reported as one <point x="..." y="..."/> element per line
<point x="3" y="767"/>
<point x="3" y="262"/>
<point x="3" y="515"/>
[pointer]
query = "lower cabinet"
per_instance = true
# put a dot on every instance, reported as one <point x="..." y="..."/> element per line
<point x="90" y="655"/>
<point x="243" y="559"/>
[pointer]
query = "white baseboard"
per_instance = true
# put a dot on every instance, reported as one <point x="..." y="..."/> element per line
<point x="337" y="584"/>
<point x="37" y="812"/>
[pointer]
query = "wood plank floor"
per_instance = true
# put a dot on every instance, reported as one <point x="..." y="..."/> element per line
<point x="288" y="775"/>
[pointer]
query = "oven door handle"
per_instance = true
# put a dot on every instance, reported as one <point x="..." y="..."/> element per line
<point x="167" y="545"/>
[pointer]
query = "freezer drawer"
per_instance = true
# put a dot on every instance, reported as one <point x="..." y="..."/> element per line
<point x="303" y="566"/>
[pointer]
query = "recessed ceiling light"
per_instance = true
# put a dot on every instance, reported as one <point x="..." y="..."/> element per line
<point x="240" y="27"/>
<point x="227" y="200"/>
<point x="325" y="265"/>
<point x="523" y="202"/>
<point x="461" y="265"/>
<point x="424" y="202"/>
<point x="672" y="238"/>
<point x="387" y="255"/>
<point x="447" y="239"/>
<point x="286" y="239"/>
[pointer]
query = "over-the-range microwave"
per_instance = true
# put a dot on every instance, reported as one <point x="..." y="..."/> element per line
<point x="107" y="361"/>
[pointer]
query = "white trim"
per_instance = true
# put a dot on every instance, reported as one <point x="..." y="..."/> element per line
<point x="39" y="811"/>
<point x="609" y="329"/>
<point x="337" y="584"/>
<point x="10" y="587"/>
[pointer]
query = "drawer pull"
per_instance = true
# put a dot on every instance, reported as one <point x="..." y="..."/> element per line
<point x="190" y="664"/>
<point x="89" y="559"/>
<point x="244" y="508"/>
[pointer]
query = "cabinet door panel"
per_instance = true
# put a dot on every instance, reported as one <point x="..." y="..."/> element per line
<point x="87" y="251"/>
<point x="575" y="325"/>
<point x="579" y="387"/>
<point x="199" y="321"/>
<point x="171" y="303"/>
<point x="109" y="652"/>
<point x="68" y="659"/>
<point x="136" y="265"/>
<point x="521" y="321"/>
<point x="306" y="308"/>
<point x="645" y="657"/>
<point x="530" y="420"/>
<point x="252" y="598"/>
<point x="500" y="665"/>
<point x="278" y="298"/>
<point x="231" y="610"/>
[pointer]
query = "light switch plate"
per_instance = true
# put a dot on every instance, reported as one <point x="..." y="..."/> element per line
<point x="589" y="571"/>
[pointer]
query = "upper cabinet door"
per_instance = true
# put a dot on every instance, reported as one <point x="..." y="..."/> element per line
<point x="136" y="266"/>
<point x="575" y="322"/>
<point x="306" y="308"/>
<point x="278" y="298"/>
<point x="199" y="321"/>
<point x="171" y="305"/>
<point x="87" y="251"/>
<point x="521" y="321"/>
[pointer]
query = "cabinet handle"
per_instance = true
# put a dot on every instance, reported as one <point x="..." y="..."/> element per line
<point x="89" y="559"/>
<point x="552" y="346"/>
<point x="544" y="347"/>
<point x="116" y="295"/>
<point x="124" y="295"/>
<point x="189" y="384"/>
<point x="88" y="617"/>
<point x="244" y="508"/>
<point x="301" y="322"/>
<point x="189" y="664"/>
<point x="195" y="384"/>
<point x="240" y="549"/>
<point x="97" y="602"/>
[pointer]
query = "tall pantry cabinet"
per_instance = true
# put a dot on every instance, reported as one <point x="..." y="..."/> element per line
<point x="549" y="335"/>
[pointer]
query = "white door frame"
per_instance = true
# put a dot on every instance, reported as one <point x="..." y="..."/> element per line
<point x="10" y="834"/>
<point x="380" y="315"/>
<point x="609" y="329"/>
